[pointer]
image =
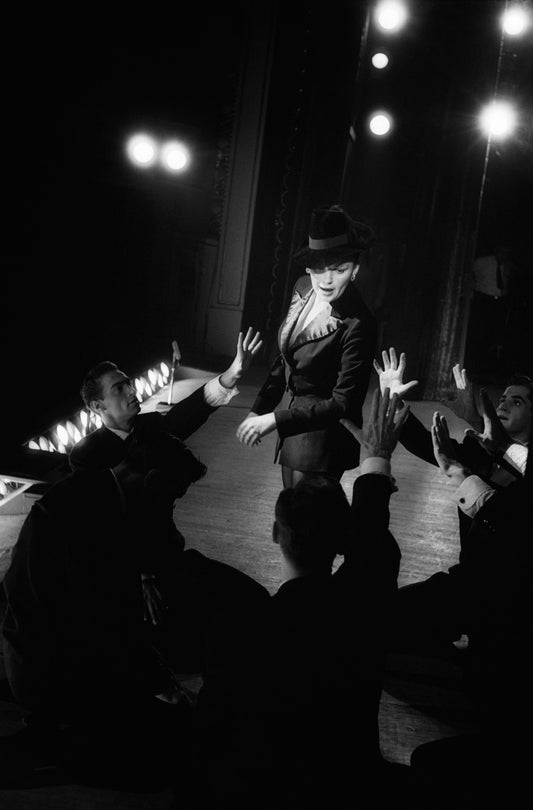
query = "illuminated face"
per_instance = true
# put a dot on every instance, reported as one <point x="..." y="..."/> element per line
<point x="330" y="282"/>
<point x="514" y="412"/>
<point x="118" y="404"/>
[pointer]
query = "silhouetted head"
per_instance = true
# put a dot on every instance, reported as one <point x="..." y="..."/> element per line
<point x="313" y="523"/>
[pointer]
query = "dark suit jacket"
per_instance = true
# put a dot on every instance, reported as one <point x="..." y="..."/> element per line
<point x="73" y="628"/>
<point x="103" y="449"/>
<point x="326" y="369"/>
<point x="292" y="684"/>
<point x="416" y="438"/>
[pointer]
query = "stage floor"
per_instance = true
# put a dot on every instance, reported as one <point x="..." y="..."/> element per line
<point x="228" y="515"/>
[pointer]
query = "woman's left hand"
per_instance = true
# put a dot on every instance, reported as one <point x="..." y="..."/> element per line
<point x="254" y="427"/>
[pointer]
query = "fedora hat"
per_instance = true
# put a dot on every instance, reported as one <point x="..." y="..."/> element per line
<point x="334" y="237"/>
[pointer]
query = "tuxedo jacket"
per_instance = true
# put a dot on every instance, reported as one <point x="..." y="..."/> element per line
<point x="73" y="628"/>
<point x="416" y="438"/>
<point x="103" y="449"/>
<point x="292" y="684"/>
<point x="325" y="368"/>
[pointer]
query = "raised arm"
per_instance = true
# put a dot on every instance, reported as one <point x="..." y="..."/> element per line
<point x="186" y="416"/>
<point x="464" y="404"/>
<point x="374" y="558"/>
<point x="247" y="347"/>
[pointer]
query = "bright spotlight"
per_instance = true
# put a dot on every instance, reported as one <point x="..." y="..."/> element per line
<point x="498" y="119"/>
<point x="514" y="21"/>
<point x="379" y="124"/>
<point x="391" y="15"/>
<point x="142" y="150"/>
<point x="380" y="60"/>
<point x="175" y="156"/>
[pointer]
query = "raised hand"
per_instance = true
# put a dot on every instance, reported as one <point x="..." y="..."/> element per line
<point x="247" y="347"/>
<point x="391" y="375"/>
<point x="254" y="427"/>
<point x="384" y="424"/>
<point x="494" y="438"/>
<point x="445" y="451"/>
<point x="464" y="404"/>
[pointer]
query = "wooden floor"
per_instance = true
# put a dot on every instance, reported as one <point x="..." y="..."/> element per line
<point x="228" y="515"/>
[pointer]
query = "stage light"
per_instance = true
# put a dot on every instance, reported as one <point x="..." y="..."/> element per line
<point x="498" y="120"/>
<point x="514" y="20"/>
<point x="379" y="124"/>
<point x="391" y="15"/>
<point x="380" y="60"/>
<point x="142" y="150"/>
<point x="174" y="156"/>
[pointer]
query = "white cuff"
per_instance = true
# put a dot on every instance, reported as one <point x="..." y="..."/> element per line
<point x="215" y="394"/>
<point x="376" y="464"/>
<point x="472" y="494"/>
<point x="516" y="455"/>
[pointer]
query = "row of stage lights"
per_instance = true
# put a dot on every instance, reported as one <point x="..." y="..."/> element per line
<point x="498" y="119"/>
<point x="146" y="152"/>
<point x="63" y="437"/>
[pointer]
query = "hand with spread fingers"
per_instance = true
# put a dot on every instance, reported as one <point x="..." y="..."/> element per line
<point x="494" y="438"/>
<point x="464" y="405"/>
<point x="254" y="427"/>
<point x="383" y="427"/>
<point x="247" y="347"/>
<point x="446" y="451"/>
<point x="391" y="375"/>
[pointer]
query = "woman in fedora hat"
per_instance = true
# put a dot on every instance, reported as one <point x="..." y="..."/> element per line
<point x="327" y="343"/>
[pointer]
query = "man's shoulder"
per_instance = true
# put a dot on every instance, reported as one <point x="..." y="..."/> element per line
<point x="97" y="450"/>
<point x="64" y="496"/>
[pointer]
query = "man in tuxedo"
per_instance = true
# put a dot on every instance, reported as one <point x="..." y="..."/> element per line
<point x="110" y="393"/>
<point x="499" y="459"/>
<point x="487" y="596"/>
<point x="79" y="652"/>
<point x="174" y="577"/>
<point x="289" y="707"/>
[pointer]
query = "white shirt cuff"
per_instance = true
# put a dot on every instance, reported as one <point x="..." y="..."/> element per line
<point x="472" y="494"/>
<point x="376" y="464"/>
<point x="215" y="394"/>
<point x="516" y="454"/>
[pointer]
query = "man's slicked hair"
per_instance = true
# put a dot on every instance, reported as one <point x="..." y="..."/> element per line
<point x="525" y="381"/>
<point x="91" y="387"/>
<point x="317" y="520"/>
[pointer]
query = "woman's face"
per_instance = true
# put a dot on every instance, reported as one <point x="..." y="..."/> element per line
<point x="330" y="282"/>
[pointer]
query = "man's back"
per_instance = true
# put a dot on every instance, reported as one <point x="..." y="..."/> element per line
<point x="296" y="677"/>
<point x="72" y="587"/>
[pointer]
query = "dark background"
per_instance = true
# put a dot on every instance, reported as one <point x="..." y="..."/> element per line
<point x="98" y="258"/>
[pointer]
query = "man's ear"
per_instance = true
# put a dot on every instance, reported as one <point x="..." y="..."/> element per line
<point x="97" y="406"/>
